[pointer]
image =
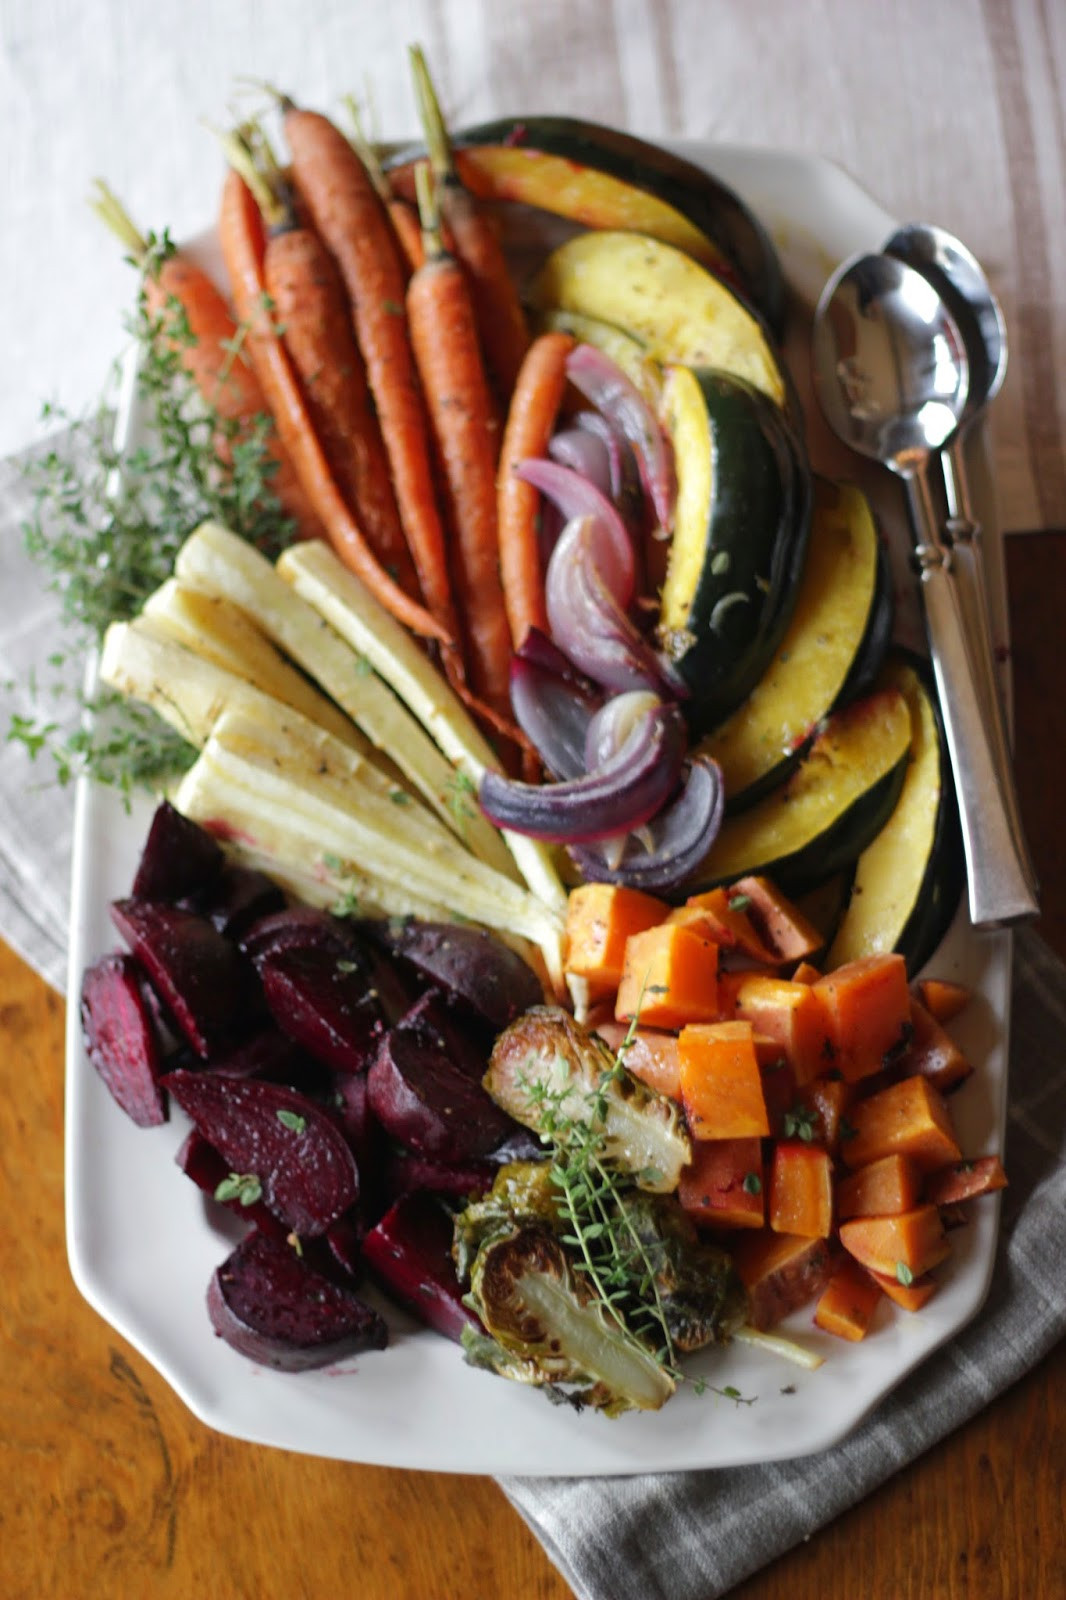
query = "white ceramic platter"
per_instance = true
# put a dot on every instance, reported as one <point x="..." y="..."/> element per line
<point x="143" y="1244"/>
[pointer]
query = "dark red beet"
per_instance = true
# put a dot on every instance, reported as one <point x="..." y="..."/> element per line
<point x="325" y="1005"/>
<point x="305" y="1169"/>
<point x="301" y="927"/>
<point x="410" y="1253"/>
<point x="468" y="962"/>
<point x="238" y="898"/>
<point x="179" y="858"/>
<point x="269" y="1304"/>
<point x="425" y="1088"/>
<point x="201" y="978"/>
<point x="202" y="1163"/>
<point x="344" y="1243"/>
<point x="120" y="1037"/>
<point x="404" y="1172"/>
<point x="269" y="1055"/>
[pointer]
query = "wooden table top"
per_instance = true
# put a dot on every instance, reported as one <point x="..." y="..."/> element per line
<point x="111" y="1489"/>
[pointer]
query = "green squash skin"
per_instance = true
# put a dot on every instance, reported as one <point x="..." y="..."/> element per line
<point x="944" y="879"/>
<point x="838" y="847"/>
<point x="708" y="204"/>
<point x="760" y="520"/>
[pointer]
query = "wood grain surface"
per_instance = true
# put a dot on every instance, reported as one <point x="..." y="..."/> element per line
<point x="109" y="1488"/>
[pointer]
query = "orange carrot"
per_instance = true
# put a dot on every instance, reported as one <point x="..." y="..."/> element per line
<point x="350" y="219"/>
<point x="500" y="320"/>
<point x="535" y="403"/>
<point x="402" y="214"/>
<point x="444" y="339"/>
<point x="243" y="245"/>
<point x="210" y="350"/>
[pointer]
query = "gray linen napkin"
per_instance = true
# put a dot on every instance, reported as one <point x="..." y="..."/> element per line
<point x="685" y="1536"/>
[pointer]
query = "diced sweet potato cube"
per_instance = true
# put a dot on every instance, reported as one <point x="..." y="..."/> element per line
<point x="790" y="1013"/>
<point x="651" y="1055"/>
<point x="914" y="1242"/>
<point x="721" y="1088"/>
<point x="848" y="1302"/>
<point x="714" y="916"/>
<point x="965" y="1181"/>
<point x="805" y="973"/>
<point x="600" y="917"/>
<point x="729" y="986"/>
<point x="782" y="1272"/>
<point x="943" y="1000"/>
<point x="801" y="1190"/>
<point x="781" y="925"/>
<point x="827" y="1100"/>
<point x="723" y="1185"/>
<point x="909" y="1119"/>
<point x="883" y="1189"/>
<point x="778" y="1091"/>
<point x="669" y="978"/>
<point x="911" y="1296"/>
<point x="933" y="1053"/>
<point x="868" y="1011"/>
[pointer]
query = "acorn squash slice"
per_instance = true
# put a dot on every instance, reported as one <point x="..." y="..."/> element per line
<point x="602" y="178"/>
<point x="909" y="879"/>
<point x="830" y="652"/>
<point x="741" y="523"/>
<point x="678" y="310"/>
<point x="835" y="803"/>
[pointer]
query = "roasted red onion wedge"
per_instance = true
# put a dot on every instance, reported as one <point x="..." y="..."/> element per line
<point x="588" y="622"/>
<point x="617" y="399"/>
<point x="587" y="453"/>
<point x="553" y="710"/>
<point x="677" y="839"/>
<point x="622" y="794"/>
<point x="577" y="498"/>
<point x="612" y="724"/>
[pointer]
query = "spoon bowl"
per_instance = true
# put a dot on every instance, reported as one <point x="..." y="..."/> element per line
<point x="890" y="365"/>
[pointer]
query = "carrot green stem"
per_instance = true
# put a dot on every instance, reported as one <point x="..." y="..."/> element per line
<point x="429" y="112"/>
<point x="248" y="153"/>
<point x="365" y="150"/>
<point x="429" y="212"/>
<point x="113" y="215"/>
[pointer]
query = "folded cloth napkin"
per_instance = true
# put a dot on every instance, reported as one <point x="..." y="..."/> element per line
<point x="688" y="1536"/>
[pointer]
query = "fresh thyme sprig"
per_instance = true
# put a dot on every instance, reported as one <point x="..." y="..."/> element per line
<point x="106" y="525"/>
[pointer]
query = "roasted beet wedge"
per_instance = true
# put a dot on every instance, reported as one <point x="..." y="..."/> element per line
<point x="298" y="927"/>
<point x="425" y="1088"/>
<point x="202" y="1163"/>
<point x="468" y="962"/>
<point x="306" y="1172"/>
<point x="327" y="1004"/>
<point x="410" y="1253"/>
<point x="404" y="1172"/>
<point x="120" y="1037"/>
<point x="270" y="1055"/>
<point x="201" y="978"/>
<point x="270" y="1305"/>
<point x="179" y="858"/>
<point x="237" y="898"/>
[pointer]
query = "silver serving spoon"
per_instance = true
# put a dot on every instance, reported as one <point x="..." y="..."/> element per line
<point x="958" y="278"/>
<point x="891" y="375"/>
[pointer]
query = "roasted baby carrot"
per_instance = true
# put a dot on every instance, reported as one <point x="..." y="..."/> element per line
<point x="351" y="220"/>
<point x="444" y="339"/>
<point x="310" y="310"/>
<point x="500" y="320"/>
<point x="535" y="403"/>
<point x="243" y="245"/>
<point x="401" y="212"/>
<point x="178" y="291"/>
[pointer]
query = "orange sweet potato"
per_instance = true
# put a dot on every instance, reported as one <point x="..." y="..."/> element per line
<point x="600" y="917"/>
<point x="778" y="1090"/>
<point x="782" y="1272"/>
<point x="965" y="1181"/>
<point x="721" y="1088"/>
<point x="792" y="1014"/>
<point x="868" y="1012"/>
<point x="883" y="1189"/>
<point x="801" y="1190"/>
<point x="723" y="1185"/>
<point x="914" y="1241"/>
<point x="943" y="1000"/>
<point x="848" y="1302"/>
<point x="781" y="926"/>
<point x="713" y="915"/>
<point x="910" y="1119"/>
<point x="651" y="1056"/>
<point x="933" y="1053"/>
<point x="669" y="978"/>
<point x="827" y="1100"/>
<point x="805" y="973"/>
<point x="911" y="1296"/>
